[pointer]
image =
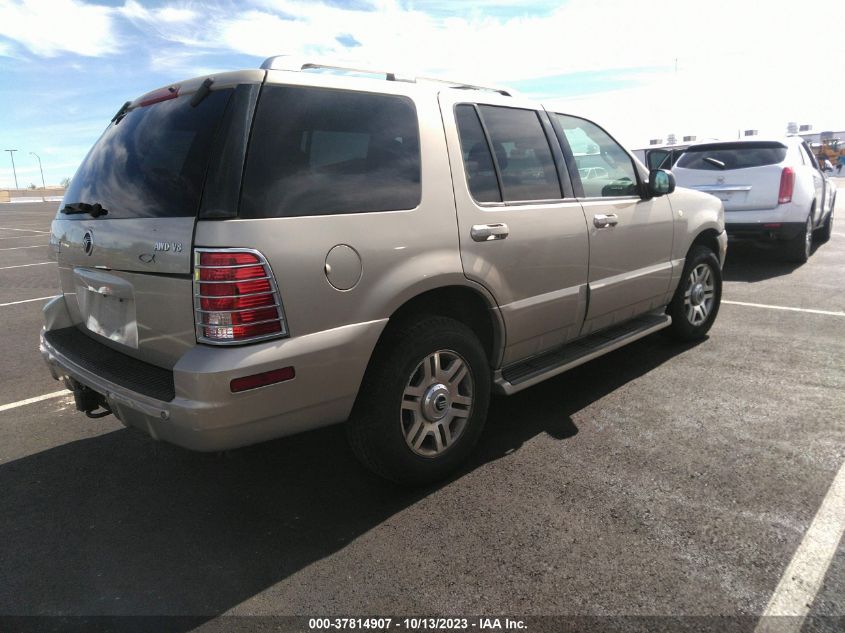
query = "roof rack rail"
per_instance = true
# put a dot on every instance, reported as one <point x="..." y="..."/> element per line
<point x="298" y="64"/>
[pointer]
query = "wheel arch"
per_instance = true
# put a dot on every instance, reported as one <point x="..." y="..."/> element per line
<point x="464" y="303"/>
<point x="709" y="238"/>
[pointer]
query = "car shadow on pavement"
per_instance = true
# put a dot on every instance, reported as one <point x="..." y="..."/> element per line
<point x="750" y="263"/>
<point x="120" y="525"/>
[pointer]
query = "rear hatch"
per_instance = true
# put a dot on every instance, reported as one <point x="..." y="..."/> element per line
<point x="744" y="175"/>
<point x="124" y="231"/>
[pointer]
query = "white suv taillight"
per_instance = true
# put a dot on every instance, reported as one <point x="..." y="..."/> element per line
<point x="236" y="299"/>
<point x="787" y="184"/>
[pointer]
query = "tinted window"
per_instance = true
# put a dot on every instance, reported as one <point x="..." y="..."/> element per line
<point x="316" y="151"/>
<point x="151" y="163"/>
<point x="722" y="156"/>
<point x="659" y="159"/>
<point x="604" y="167"/>
<point x="810" y="159"/>
<point x="481" y="174"/>
<point x="526" y="167"/>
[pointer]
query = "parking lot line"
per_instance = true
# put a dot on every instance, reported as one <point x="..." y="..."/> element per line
<point x="14" y="303"/>
<point x="9" y="228"/>
<point x="771" y="307"/>
<point x="25" y="265"/>
<point x="20" y="237"/>
<point x="805" y="573"/>
<point x="17" y="248"/>
<point x="46" y="396"/>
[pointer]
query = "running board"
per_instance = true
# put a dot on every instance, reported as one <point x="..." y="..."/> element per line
<point x="529" y="372"/>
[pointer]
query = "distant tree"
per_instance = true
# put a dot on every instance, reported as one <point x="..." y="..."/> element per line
<point x="32" y="185"/>
<point x="65" y="182"/>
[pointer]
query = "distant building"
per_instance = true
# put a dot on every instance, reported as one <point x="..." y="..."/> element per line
<point x="750" y="133"/>
<point x="814" y="138"/>
<point x="671" y="140"/>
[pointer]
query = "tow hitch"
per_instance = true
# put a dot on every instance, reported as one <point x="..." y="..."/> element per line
<point x="88" y="401"/>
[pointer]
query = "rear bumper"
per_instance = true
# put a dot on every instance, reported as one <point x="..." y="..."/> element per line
<point x="204" y="414"/>
<point x="764" y="231"/>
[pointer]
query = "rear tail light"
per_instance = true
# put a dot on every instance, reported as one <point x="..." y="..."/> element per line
<point x="787" y="184"/>
<point x="236" y="299"/>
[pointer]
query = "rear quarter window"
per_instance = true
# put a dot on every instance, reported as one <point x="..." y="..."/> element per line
<point x="318" y="151"/>
<point x="712" y="157"/>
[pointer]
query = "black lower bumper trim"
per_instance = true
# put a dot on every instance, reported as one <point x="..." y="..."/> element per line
<point x="111" y="365"/>
<point x="760" y="232"/>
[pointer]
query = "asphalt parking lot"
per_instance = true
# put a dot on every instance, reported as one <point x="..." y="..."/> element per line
<point x="660" y="480"/>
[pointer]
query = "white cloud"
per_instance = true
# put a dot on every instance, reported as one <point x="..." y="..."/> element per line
<point x="182" y="63"/>
<point x="741" y="62"/>
<point x="744" y="92"/>
<point x="175" y="14"/>
<point x="735" y="66"/>
<point x="48" y="28"/>
<point x="179" y="24"/>
<point x="580" y="35"/>
<point x="256" y="32"/>
<point x="6" y="50"/>
<point x="135" y="10"/>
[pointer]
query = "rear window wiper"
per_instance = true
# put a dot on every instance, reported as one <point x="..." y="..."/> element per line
<point x="715" y="161"/>
<point x="96" y="209"/>
<point x="117" y="118"/>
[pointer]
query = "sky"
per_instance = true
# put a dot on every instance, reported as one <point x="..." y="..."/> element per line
<point x="641" y="69"/>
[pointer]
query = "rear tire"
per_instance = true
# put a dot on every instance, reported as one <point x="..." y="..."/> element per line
<point x="799" y="247"/>
<point x="696" y="302"/>
<point x="826" y="229"/>
<point x="423" y="402"/>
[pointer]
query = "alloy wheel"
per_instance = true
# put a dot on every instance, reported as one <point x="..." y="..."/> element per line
<point x="436" y="403"/>
<point x="699" y="294"/>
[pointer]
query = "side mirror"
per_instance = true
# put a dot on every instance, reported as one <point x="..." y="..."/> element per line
<point x="660" y="182"/>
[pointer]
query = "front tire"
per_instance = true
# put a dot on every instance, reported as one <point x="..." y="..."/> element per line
<point x="698" y="296"/>
<point x="423" y="402"/>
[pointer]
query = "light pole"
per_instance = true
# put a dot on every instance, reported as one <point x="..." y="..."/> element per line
<point x="13" y="165"/>
<point x="41" y="169"/>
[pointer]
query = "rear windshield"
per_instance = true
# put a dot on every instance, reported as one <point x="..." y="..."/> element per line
<point x="152" y="163"/>
<point x="722" y="156"/>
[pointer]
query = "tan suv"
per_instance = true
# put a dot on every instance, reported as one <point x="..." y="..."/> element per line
<point x="259" y="253"/>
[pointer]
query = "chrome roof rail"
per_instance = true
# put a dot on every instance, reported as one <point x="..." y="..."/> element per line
<point x="297" y="64"/>
<point x="507" y="92"/>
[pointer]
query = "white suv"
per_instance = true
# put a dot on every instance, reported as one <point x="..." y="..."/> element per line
<point x="773" y="190"/>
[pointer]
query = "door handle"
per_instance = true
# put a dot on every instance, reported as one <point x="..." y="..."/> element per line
<point x="602" y="221"/>
<point x="488" y="232"/>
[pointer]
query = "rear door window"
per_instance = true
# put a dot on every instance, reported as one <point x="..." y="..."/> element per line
<point x="152" y="162"/>
<point x="318" y="151"/>
<point x="727" y="156"/>
<point x="524" y="159"/>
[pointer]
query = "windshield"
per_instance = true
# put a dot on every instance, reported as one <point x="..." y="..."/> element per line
<point x="152" y="162"/>
<point x="724" y="156"/>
